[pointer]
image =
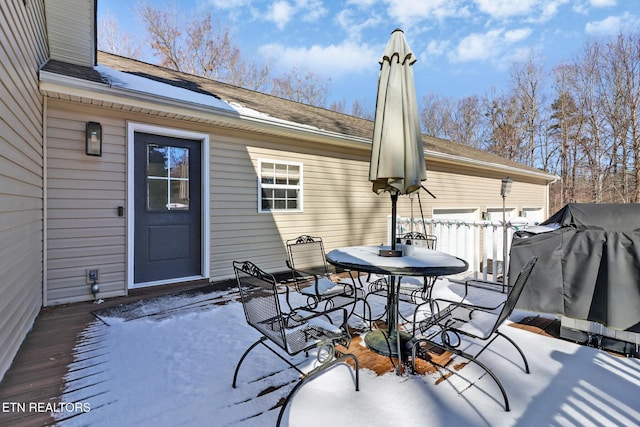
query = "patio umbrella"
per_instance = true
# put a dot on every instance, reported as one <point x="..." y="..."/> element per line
<point x="397" y="155"/>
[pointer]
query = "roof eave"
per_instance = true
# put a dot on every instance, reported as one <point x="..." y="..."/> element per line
<point x="490" y="165"/>
<point x="82" y="88"/>
<point x="95" y="91"/>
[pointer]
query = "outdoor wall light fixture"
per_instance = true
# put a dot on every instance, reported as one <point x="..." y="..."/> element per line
<point x="94" y="139"/>
<point x="505" y="189"/>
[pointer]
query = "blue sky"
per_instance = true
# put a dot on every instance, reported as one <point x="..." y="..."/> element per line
<point x="464" y="47"/>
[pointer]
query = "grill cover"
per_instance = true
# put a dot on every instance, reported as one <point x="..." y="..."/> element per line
<point x="588" y="264"/>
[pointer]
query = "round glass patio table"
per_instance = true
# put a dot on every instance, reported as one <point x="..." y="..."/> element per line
<point x="423" y="262"/>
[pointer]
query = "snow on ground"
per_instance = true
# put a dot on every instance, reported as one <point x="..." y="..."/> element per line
<point x="177" y="369"/>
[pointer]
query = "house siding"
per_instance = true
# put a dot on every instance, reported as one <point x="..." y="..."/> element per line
<point x="83" y="195"/>
<point x="339" y="205"/>
<point x="84" y="192"/>
<point x="22" y="51"/>
<point x="70" y="26"/>
<point x="478" y="188"/>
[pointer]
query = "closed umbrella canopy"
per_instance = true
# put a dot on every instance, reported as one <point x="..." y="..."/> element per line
<point x="397" y="155"/>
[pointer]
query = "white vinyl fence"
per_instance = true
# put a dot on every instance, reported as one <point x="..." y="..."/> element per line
<point x="477" y="242"/>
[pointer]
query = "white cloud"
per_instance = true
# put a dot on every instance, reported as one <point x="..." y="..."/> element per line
<point x="514" y="36"/>
<point x="354" y="23"/>
<point x="613" y="25"/>
<point x="332" y="60"/>
<point x="603" y="3"/>
<point x="477" y="46"/>
<point x="583" y="6"/>
<point x="437" y="47"/>
<point x="505" y="8"/>
<point x="311" y="10"/>
<point x="280" y="13"/>
<point x="550" y="9"/>
<point x="418" y="10"/>
<point x="230" y="4"/>
<point x="532" y="10"/>
<point x="362" y="3"/>
<point x="487" y="46"/>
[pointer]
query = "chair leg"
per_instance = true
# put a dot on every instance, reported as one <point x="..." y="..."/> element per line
<point x="467" y="356"/>
<point x="263" y="341"/>
<point x="513" y="343"/>
<point x="366" y="308"/>
<point x="247" y="351"/>
<point x="524" y="359"/>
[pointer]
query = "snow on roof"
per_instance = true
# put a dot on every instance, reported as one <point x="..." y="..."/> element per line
<point x="133" y="82"/>
<point x="152" y="87"/>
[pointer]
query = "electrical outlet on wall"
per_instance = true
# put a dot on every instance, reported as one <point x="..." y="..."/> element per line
<point x="92" y="276"/>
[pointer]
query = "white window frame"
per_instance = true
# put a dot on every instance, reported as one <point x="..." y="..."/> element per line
<point x="298" y="187"/>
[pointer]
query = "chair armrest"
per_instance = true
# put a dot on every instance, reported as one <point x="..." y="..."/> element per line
<point x="485" y="284"/>
<point x="451" y="305"/>
<point x="437" y="301"/>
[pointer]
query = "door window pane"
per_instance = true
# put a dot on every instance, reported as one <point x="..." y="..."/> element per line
<point x="157" y="191"/>
<point x="167" y="178"/>
<point x="157" y="161"/>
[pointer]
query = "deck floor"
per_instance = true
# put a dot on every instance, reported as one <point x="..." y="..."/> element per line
<point x="37" y="373"/>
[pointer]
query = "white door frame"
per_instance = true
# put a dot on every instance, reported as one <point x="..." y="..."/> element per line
<point x="133" y="127"/>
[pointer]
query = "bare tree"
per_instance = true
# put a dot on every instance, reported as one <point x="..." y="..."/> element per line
<point x="590" y="94"/>
<point x="358" y="109"/>
<point x="465" y="122"/>
<point x="566" y="130"/>
<point x="624" y="78"/>
<point x="614" y="108"/>
<point x="338" y="106"/>
<point x="305" y="87"/>
<point x="245" y="73"/>
<point x="114" y="39"/>
<point x="435" y="115"/>
<point x="502" y="124"/>
<point x="197" y="45"/>
<point x="527" y="81"/>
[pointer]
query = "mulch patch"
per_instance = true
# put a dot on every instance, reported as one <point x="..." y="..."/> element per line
<point x="383" y="364"/>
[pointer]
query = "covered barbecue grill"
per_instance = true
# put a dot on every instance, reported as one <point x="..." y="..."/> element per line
<point x="588" y="264"/>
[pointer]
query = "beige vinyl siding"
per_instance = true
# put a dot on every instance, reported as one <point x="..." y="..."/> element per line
<point x="339" y="205"/>
<point x="458" y="186"/>
<point x="84" y="192"/>
<point x="22" y="51"/>
<point x="70" y="25"/>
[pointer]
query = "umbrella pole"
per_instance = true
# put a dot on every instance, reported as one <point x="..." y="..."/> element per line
<point x="394" y="202"/>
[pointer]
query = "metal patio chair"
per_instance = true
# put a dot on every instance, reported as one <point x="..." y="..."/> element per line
<point x="412" y="290"/>
<point x="290" y="333"/>
<point x="312" y="278"/>
<point x="459" y="323"/>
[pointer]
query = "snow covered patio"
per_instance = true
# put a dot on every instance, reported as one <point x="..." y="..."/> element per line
<point x="170" y="361"/>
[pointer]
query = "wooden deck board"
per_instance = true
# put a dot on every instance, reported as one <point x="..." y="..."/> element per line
<point x="38" y="371"/>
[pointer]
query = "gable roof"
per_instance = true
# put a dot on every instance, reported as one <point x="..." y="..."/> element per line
<point x="239" y="101"/>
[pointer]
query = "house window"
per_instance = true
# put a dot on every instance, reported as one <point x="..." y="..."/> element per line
<point x="279" y="186"/>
